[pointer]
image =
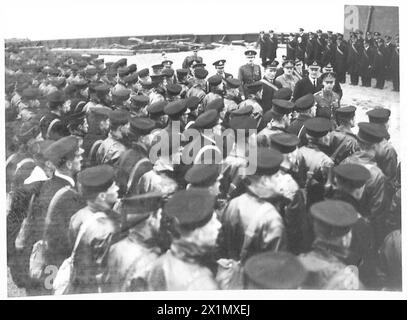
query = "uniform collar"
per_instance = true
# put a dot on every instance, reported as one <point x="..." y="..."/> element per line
<point x="65" y="177"/>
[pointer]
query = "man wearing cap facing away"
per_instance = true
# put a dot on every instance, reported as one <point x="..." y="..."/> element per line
<point x="98" y="119"/>
<point x="313" y="164"/>
<point x="182" y="80"/>
<point x="308" y="84"/>
<point x="274" y="121"/>
<point x="215" y="84"/>
<point x="198" y="87"/>
<point x="29" y="104"/>
<point x="250" y="72"/>
<point x="375" y="199"/>
<point x="386" y="155"/>
<point x="349" y="183"/>
<point x="112" y="147"/>
<point x="51" y="123"/>
<point x="232" y="95"/>
<point x="250" y="223"/>
<point x="343" y="142"/>
<point x="304" y="109"/>
<point x="274" y="270"/>
<point x="253" y="96"/>
<point x="327" y="263"/>
<point x="99" y="97"/>
<point x="194" y="228"/>
<point x="98" y="223"/>
<point x="130" y="259"/>
<point x="66" y="156"/>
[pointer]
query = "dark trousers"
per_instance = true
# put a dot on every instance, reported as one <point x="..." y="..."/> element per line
<point x="341" y="77"/>
<point x="366" y="81"/>
<point x="396" y="82"/>
<point x="380" y="82"/>
<point x="354" y="78"/>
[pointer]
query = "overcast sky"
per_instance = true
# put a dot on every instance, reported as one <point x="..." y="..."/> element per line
<point x="54" y="19"/>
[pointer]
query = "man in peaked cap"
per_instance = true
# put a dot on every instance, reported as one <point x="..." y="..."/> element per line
<point x="310" y="49"/>
<point x="232" y="95"/>
<point x="374" y="199"/>
<point x="51" y="123"/>
<point x="139" y="134"/>
<point x="144" y="79"/>
<point x="112" y="147"/>
<point x="379" y="64"/>
<point x="287" y="79"/>
<point x="253" y="98"/>
<point x="194" y="57"/>
<point x="129" y="259"/>
<point x="66" y="155"/>
<point x="386" y="155"/>
<point x="182" y="80"/>
<point x="120" y="98"/>
<point x="366" y="63"/>
<point x="308" y="84"/>
<point x="98" y="96"/>
<point x="274" y="270"/>
<point x="204" y="176"/>
<point x="320" y="45"/>
<point x="250" y="72"/>
<point x="98" y="187"/>
<point x="193" y="216"/>
<point x="327" y="98"/>
<point x="341" y="53"/>
<point x="328" y="68"/>
<point x="350" y="180"/>
<point x="156" y="113"/>
<point x="137" y="105"/>
<point x="198" y="86"/>
<point x="274" y="121"/>
<point x="216" y="91"/>
<point x="173" y="92"/>
<point x="314" y="164"/>
<point x="343" y="142"/>
<point x="220" y="69"/>
<point x="29" y="104"/>
<point x="98" y="119"/>
<point x="304" y="109"/>
<point x="291" y="47"/>
<point x="252" y="208"/>
<point x="270" y="86"/>
<point x="326" y="263"/>
<point x="157" y="68"/>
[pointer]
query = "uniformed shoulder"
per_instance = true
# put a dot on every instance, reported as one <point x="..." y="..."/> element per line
<point x="318" y="94"/>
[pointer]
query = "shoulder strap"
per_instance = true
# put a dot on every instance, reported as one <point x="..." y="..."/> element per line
<point x="300" y="132"/>
<point x="341" y="145"/>
<point x="94" y="149"/>
<point x="83" y="229"/>
<point x="339" y="50"/>
<point x="133" y="172"/>
<point x="53" y="122"/>
<point x="23" y="162"/>
<point x="10" y="158"/>
<point x="57" y="196"/>
<point x="206" y="148"/>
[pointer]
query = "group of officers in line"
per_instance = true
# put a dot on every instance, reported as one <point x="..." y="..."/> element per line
<point x="363" y="57"/>
<point x="321" y="211"/>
